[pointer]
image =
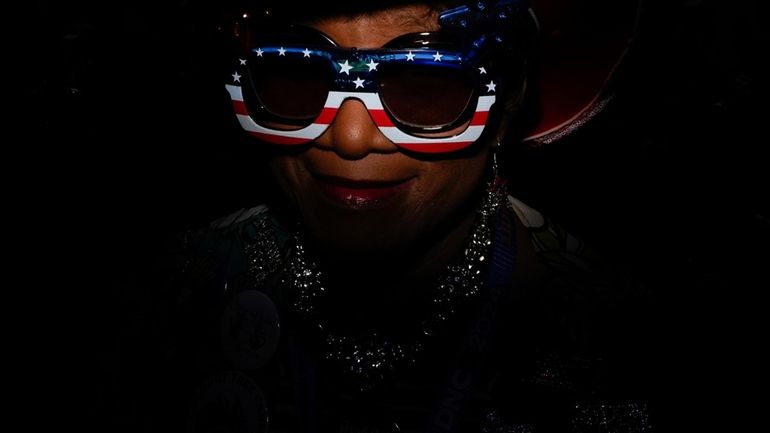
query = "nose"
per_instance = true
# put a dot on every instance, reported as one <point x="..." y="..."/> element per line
<point x="353" y="134"/>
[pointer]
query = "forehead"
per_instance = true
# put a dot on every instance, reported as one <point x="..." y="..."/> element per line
<point x="375" y="29"/>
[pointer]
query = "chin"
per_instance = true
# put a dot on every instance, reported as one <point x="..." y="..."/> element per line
<point x="362" y="236"/>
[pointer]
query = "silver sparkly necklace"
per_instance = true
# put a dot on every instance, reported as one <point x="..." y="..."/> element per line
<point x="369" y="360"/>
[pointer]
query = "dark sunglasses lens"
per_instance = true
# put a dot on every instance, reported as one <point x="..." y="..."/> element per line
<point x="289" y="91"/>
<point x="425" y="98"/>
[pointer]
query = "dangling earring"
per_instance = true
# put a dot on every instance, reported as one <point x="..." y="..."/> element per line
<point x="497" y="181"/>
<point x="495" y="164"/>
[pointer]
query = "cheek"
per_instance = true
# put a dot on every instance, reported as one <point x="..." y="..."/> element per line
<point x="449" y="184"/>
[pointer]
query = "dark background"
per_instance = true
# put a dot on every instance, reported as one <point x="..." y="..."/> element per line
<point x="132" y="141"/>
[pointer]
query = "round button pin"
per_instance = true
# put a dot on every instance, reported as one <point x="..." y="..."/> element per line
<point x="250" y="329"/>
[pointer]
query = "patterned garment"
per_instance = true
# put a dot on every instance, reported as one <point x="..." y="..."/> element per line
<point x="223" y="352"/>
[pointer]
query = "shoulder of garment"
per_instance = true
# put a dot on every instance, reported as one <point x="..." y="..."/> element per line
<point x="581" y="336"/>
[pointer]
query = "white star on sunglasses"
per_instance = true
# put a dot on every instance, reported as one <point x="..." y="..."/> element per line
<point x="372" y="65"/>
<point x="410" y="57"/>
<point x="236" y="77"/>
<point x="359" y="82"/>
<point x="345" y="67"/>
<point x="491" y="86"/>
<point x="282" y="51"/>
<point x="306" y="53"/>
<point x="437" y="57"/>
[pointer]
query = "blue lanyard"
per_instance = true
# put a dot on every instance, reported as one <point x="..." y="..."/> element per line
<point x="464" y="375"/>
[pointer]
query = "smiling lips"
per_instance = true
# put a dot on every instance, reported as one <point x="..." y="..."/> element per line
<point x="360" y="194"/>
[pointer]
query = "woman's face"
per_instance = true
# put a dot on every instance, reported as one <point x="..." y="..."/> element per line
<point x="356" y="191"/>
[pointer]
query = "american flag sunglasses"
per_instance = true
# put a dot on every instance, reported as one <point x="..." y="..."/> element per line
<point x="422" y="95"/>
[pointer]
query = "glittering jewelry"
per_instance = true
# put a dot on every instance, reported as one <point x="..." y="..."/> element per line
<point x="368" y="360"/>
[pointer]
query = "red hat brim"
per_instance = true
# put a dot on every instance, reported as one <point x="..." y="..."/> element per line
<point x="582" y="44"/>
